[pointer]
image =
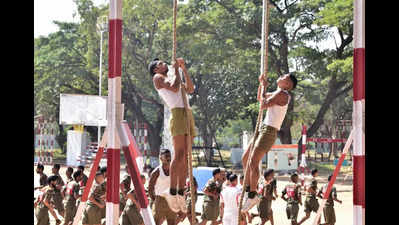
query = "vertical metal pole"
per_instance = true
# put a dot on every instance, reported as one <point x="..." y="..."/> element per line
<point x="358" y="114"/>
<point x="303" y="156"/>
<point x="114" y="110"/>
<point x="99" y="85"/>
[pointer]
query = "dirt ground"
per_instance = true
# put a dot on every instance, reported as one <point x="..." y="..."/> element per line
<point x="344" y="211"/>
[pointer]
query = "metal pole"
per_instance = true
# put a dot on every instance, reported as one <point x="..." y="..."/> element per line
<point x="359" y="204"/>
<point x="114" y="110"/>
<point x="99" y="84"/>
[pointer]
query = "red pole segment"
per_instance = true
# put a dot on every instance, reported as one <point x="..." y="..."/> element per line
<point x="131" y="151"/>
<point x="359" y="204"/>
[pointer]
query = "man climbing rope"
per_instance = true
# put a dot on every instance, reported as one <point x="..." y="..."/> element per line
<point x="169" y="90"/>
<point x="276" y="104"/>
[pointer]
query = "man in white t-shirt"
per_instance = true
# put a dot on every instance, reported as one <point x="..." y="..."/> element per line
<point x="229" y="202"/>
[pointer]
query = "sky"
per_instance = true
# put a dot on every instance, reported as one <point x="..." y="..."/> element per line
<point x="46" y="11"/>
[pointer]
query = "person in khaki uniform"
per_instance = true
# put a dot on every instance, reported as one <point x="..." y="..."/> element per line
<point x="92" y="214"/>
<point x="43" y="176"/>
<point x="71" y="193"/>
<point x="265" y="204"/>
<point x="45" y="203"/>
<point x="68" y="174"/>
<point x="131" y="212"/>
<point x="212" y="189"/>
<point x="124" y="189"/>
<point x="169" y="89"/>
<point x="311" y="203"/>
<point x="292" y="190"/>
<point x="58" y="197"/>
<point x="328" y="210"/>
<point x="276" y="104"/>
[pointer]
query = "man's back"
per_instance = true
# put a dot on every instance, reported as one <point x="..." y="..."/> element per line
<point x="230" y="196"/>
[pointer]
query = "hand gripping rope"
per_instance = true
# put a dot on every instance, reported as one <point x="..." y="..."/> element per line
<point x="261" y="92"/>
<point x="188" y="137"/>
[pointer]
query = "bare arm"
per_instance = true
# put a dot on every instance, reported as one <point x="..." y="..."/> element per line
<point x="133" y="199"/>
<point x="278" y="98"/>
<point x="151" y="184"/>
<point x="91" y="198"/>
<point x="51" y="209"/>
<point x="161" y="82"/>
<point x="210" y="193"/>
<point x="189" y="86"/>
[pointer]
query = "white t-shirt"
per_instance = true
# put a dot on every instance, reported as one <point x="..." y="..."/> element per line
<point x="230" y="196"/>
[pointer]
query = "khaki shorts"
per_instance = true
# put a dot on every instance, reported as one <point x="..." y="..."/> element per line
<point x="264" y="208"/>
<point x="131" y="216"/>
<point x="91" y="215"/>
<point x="329" y="214"/>
<point x="161" y="210"/>
<point x="266" y="138"/>
<point x="42" y="216"/>
<point x="292" y="211"/>
<point x="59" y="206"/>
<point x="311" y="204"/>
<point x="178" y="122"/>
<point x="70" y="212"/>
<point x="210" y="210"/>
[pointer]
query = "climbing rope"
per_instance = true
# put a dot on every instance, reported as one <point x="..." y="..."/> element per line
<point x="261" y="92"/>
<point x="188" y="137"/>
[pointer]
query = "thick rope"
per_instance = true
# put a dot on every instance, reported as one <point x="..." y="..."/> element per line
<point x="187" y="110"/>
<point x="264" y="68"/>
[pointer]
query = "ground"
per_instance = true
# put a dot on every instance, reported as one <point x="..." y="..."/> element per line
<point x="344" y="211"/>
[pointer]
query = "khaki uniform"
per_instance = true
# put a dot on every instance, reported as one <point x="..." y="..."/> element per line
<point x="210" y="208"/>
<point x="41" y="211"/>
<point x="178" y="122"/>
<point x="294" y="194"/>
<point x="72" y="188"/>
<point x="161" y="209"/>
<point x="131" y="214"/>
<point x="328" y="210"/>
<point x="58" y="197"/>
<point x="311" y="203"/>
<point x="265" y="204"/>
<point x="92" y="213"/>
<point x="126" y="184"/>
<point x="266" y="138"/>
<point x="43" y="179"/>
<point x="68" y="180"/>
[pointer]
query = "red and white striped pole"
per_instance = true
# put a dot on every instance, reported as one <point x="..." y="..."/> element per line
<point x="114" y="110"/>
<point x="303" y="157"/>
<point x="359" y="204"/>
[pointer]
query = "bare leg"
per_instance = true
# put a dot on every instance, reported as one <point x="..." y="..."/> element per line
<point x="176" y="165"/>
<point x="254" y="167"/>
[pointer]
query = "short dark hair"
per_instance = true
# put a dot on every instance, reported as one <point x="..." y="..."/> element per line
<point x="268" y="172"/>
<point x="232" y="177"/>
<point x="314" y="171"/>
<point x="40" y="166"/>
<point x="215" y="171"/>
<point x="99" y="173"/>
<point x="57" y="166"/>
<point x="77" y="174"/>
<point x="329" y="177"/>
<point x="81" y="167"/>
<point x="293" y="176"/>
<point x="241" y="176"/>
<point x="52" y="178"/>
<point x="152" y="66"/>
<point x="228" y="174"/>
<point x="164" y="151"/>
<point x="70" y="169"/>
<point x="293" y="79"/>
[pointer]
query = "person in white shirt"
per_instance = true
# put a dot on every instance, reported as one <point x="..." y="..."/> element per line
<point x="169" y="89"/>
<point x="276" y="104"/>
<point x="229" y="202"/>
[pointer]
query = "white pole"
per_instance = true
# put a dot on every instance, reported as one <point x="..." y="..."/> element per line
<point x="99" y="84"/>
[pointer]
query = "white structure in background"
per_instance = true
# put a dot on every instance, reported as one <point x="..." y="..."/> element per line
<point x="87" y="110"/>
<point x="283" y="157"/>
<point x="77" y="142"/>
